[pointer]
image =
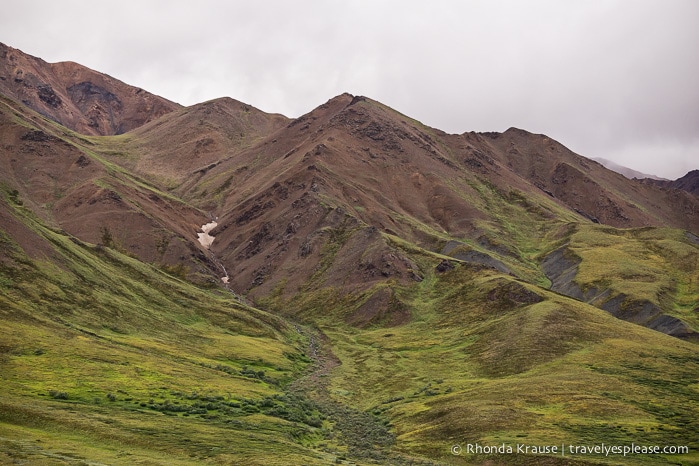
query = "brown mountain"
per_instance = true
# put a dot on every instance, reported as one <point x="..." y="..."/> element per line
<point x="689" y="183"/>
<point x="590" y="189"/>
<point x="346" y="179"/>
<point x="58" y="176"/>
<point x="189" y="140"/>
<point x="444" y="288"/>
<point x="325" y="201"/>
<point x="77" y="97"/>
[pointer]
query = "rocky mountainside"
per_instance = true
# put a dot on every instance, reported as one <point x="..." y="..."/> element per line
<point x="689" y="183"/>
<point x="322" y="202"/>
<point x="57" y="175"/>
<point x="410" y="287"/>
<point x="77" y="97"/>
<point x="188" y="141"/>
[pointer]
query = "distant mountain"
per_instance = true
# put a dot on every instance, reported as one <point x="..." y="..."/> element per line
<point x="372" y="290"/>
<point x="77" y="97"/>
<point x="689" y="183"/>
<point x="626" y="171"/>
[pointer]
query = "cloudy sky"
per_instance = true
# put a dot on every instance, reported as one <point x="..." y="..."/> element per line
<point x="617" y="79"/>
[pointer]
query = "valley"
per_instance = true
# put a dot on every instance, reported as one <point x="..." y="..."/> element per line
<point x="214" y="284"/>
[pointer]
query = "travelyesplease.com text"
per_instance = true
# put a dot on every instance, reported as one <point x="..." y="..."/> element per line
<point x="570" y="449"/>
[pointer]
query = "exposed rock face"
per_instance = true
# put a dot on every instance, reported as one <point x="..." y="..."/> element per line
<point x="458" y="250"/>
<point x="647" y="314"/>
<point x="689" y="183"/>
<point x="561" y="267"/>
<point x="77" y="97"/>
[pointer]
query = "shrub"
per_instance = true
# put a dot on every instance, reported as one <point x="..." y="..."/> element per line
<point x="14" y="197"/>
<point x="107" y="240"/>
<point x="58" y="395"/>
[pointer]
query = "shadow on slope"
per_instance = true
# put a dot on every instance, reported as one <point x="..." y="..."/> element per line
<point x="646" y="276"/>
<point x="488" y="359"/>
<point x="105" y="359"/>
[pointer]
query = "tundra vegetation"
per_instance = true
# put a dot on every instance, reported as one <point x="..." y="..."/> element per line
<point x="398" y="292"/>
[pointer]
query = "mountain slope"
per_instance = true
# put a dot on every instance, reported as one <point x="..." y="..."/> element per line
<point x="186" y="142"/>
<point x="59" y="176"/>
<point x="488" y="360"/>
<point x="421" y="290"/>
<point x="689" y="183"/>
<point x="77" y="97"/>
<point x="591" y="190"/>
<point x="100" y="354"/>
<point x="319" y="203"/>
<point x="103" y="354"/>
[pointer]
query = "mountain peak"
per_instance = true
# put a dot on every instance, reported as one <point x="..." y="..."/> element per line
<point x="77" y="97"/>
<point x="403" y="268"/>
<point x="688" y="182"/>
<point x="515" y="130"/>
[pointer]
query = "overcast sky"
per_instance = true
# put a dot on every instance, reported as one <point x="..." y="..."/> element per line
<point x="617" y="79"/>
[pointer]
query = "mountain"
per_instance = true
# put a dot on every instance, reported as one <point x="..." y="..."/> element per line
<point x="353" y="175"/>
<point x="77" y="97"/>
<point x="689" y="183"/>
<point x="55" y="173"/>
<point x="373" y="291"/>
<point x="178" y="145"/>
<point x="626" y="171"/>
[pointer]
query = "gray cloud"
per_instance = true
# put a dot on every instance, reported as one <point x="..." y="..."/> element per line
<point x="614" y="79"/>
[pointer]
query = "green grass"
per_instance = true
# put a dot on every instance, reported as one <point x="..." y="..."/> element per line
<point x="107" y="359"/>
<point x="655" y="264"/>
<point x="490" y="358"/>
<point x="481" y="361"/>
<point x="519" y="227"/>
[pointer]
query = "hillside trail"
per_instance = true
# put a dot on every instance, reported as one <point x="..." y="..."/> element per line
<point x="366" y="436"/>
<point x="315" y="383"/>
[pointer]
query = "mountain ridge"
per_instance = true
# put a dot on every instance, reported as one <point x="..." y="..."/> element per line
<point x="626" y="171"/>
<point x="81" y="99"/>
<point x="688" y="182"/>
<point x="390" y="291"/>
<point x="276" y="187"/>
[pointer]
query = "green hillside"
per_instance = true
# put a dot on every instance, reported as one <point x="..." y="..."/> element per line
<point x="105" y="359"/>
<point x="401" y="295"/>
<point x="109" y="360"/>
<point x="482" y="357"/>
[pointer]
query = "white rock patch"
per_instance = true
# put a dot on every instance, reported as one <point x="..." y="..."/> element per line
<point x="205" y="239"/>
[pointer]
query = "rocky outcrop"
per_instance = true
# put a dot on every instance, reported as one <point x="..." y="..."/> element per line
<point x="77" y="97"/>
<point x="458" y="250"/>
<point x="561" y="267"/>
<point x="689" y="183"/>
<point x="647" y="314"/>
